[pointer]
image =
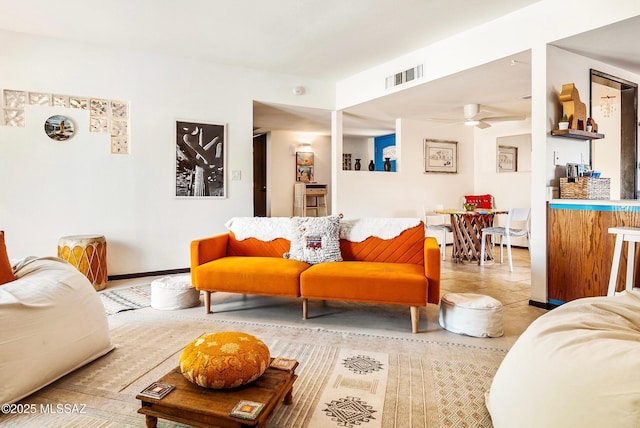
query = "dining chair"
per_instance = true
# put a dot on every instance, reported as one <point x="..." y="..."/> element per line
<point x="441" y="225"/>
<point x="520" y="216"/>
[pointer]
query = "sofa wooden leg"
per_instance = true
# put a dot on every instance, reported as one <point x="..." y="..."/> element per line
<point x="305" y="308"/>
<point x="415" y="319"/>
<point x="207" y="302"/>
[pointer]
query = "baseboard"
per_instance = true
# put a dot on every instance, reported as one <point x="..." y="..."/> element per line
<point x="543" y="305"/>
<point x="143" y="274"/>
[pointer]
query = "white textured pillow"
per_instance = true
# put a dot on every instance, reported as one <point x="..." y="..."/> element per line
<point x="315" y="239"/>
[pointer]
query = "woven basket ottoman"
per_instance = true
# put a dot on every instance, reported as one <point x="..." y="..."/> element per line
<point x="471" y="314"/>
<point x="174" y="292"/>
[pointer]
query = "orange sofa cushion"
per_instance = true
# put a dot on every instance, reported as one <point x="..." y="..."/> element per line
<point x="393" y="283"/>
<point x="408" y="247"/>
<point x="251" y="275"/>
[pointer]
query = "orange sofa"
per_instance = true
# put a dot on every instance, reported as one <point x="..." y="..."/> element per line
<point x="402" y="270"/>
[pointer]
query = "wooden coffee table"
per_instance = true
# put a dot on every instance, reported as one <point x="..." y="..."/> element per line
<point x="201" y="407"/>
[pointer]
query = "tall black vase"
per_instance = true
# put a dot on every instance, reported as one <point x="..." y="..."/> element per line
<point x="372" y="166"/>
<point x="387" y="164"/>
<point x="357" y="165"/>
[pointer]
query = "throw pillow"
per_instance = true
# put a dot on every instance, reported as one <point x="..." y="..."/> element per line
<point x="6" y="272"/>
<point x="315" y="239"/>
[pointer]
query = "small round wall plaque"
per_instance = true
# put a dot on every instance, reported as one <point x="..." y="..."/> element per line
<point x="59" y="128"/>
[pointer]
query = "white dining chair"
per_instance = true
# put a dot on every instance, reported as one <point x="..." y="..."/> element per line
<point x="440" y="225"/>
<point x="519" y="216"/>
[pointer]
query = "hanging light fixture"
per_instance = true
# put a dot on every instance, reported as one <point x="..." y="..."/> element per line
<point x="607" y="108"/>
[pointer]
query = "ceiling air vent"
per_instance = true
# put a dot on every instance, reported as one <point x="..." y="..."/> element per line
<point x="404" y="76"/>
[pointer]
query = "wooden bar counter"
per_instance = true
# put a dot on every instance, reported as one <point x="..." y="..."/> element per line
<point x="580" y="248"/>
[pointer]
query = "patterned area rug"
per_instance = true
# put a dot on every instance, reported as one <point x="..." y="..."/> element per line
<point x="428" y="383"/>
<point x="126" y="299"/>
<point x="354" y="395"/>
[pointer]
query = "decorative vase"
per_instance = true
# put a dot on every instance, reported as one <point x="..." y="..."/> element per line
<point x="356" y="166"/>
<point x="372" y="166"/>
<point x="387" y="164"/>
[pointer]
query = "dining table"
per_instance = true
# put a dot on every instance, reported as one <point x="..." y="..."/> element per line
<point x="467" y="226"/>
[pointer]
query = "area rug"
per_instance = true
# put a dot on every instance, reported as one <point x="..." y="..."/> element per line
<point x="428" y="383"/>
<point x="126" y="299"/>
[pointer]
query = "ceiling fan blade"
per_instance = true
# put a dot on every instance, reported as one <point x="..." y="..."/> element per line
<point x="503" y="118"/>
<point x="483" y="125"/>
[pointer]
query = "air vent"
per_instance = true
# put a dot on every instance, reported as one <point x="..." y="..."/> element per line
<point x="404" y="76"/>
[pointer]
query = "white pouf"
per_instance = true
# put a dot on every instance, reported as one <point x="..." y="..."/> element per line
<point x="471" y="314"/>
<point x="174" y="292"/>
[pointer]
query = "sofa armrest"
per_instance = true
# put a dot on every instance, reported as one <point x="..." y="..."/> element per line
<point x="208" y="249"/>
<point x="432" y="268"/>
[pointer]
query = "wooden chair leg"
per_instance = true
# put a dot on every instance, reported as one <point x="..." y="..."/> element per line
<point x="415" y="319"/>
<point x="305" y="308"/>
<point x="207" y="302"/>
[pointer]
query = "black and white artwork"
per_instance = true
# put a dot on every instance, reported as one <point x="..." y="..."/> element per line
<point x="200" y="159"/>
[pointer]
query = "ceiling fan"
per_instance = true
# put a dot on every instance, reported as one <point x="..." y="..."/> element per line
<point x="473" y="115"/>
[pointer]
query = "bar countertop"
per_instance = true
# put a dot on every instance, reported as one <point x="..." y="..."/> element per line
<point x="596" y="204"/>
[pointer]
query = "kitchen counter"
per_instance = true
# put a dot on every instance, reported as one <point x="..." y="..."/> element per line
<point x="580" y="248"/>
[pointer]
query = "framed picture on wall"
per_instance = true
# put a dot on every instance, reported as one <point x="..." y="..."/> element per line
<point x="440" y="156"/>
<point x="304" y="166"/>
<point x="200" y="159"/>
<point x="507" y="159"/>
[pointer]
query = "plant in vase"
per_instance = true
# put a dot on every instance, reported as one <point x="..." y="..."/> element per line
<point x="564" y="122"/>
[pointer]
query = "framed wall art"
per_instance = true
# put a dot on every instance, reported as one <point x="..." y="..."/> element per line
<point x="304" y="166"/>
<point x="200" y="159"/>
<point x="507" y="159"/>
<point x="440" y="156"/>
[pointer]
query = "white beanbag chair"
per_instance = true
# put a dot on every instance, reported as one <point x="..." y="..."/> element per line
<point x="52" y="322"/>
<point x="576" y="366"/>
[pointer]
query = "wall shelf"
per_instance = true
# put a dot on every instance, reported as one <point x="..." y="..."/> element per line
<point x="577" y="134"/>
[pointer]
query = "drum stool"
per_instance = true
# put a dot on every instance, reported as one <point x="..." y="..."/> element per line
<point x="88" y="253"/>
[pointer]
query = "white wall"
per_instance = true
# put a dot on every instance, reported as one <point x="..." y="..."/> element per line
<point x="403" y="193"/>
<point x="510" y="189"/>
<point x="281" y="170"/>
<point x="53" y="189"/>
<point x="567" y="67"/>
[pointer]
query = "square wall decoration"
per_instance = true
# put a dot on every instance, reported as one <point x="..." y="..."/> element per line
<point x="105" y="116"/>
<point x="440" y="156"/>
<point x="200" y="159"/>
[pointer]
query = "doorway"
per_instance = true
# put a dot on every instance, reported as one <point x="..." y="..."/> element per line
<point x="260" y="175"/>
<point x="608" y="93"/>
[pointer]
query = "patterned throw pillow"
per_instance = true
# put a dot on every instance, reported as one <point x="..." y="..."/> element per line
<point x="315" y="239"/>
